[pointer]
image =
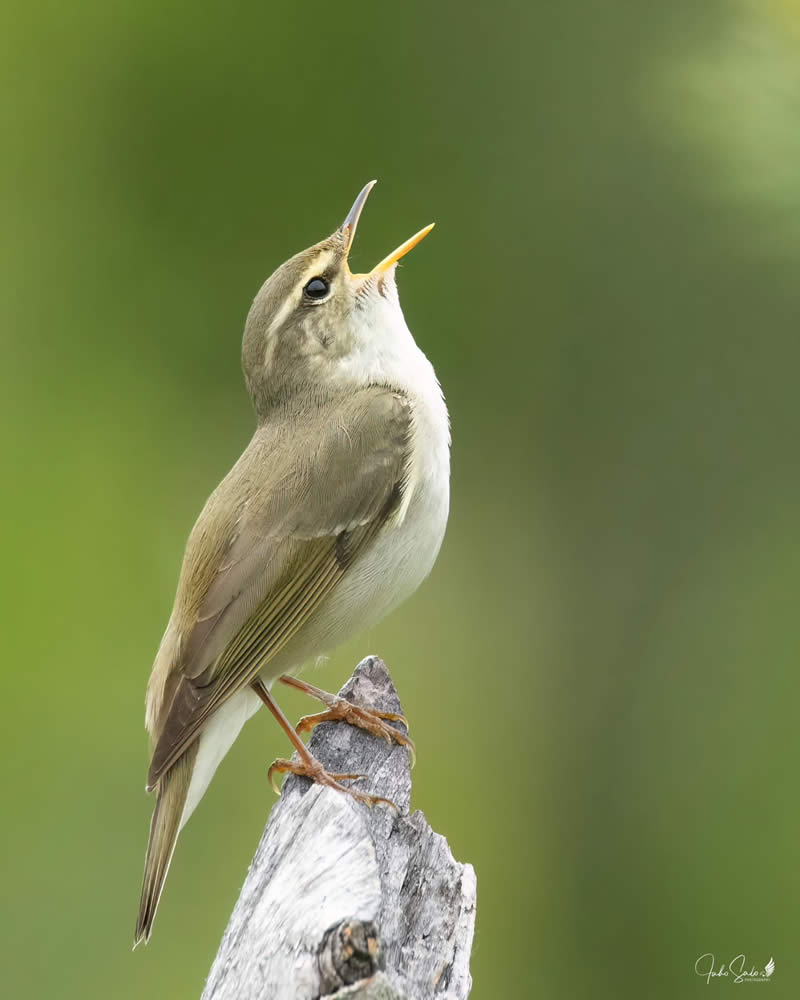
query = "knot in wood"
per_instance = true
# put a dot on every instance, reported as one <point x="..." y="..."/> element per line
<point x="350" y="951"/>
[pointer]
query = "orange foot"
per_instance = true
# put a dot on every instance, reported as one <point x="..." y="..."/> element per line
<point x="307" y="765"/>
<point x="313" y="769"/>
<point x="341" y="710"/>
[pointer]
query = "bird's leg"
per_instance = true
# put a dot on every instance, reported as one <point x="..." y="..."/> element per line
<point x="341" y="710"/>
<point x="308" y="766"/>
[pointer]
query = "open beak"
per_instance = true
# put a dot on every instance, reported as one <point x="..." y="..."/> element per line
<point x="401" y="251"/>
<point x="350" y="224"/>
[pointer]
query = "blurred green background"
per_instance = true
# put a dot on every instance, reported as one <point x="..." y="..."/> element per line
<point x="602" y="670"/>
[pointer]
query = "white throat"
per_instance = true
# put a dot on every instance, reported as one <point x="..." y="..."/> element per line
<point x="387" y="354"/>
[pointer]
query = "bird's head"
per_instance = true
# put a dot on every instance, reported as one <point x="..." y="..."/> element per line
<point x="313" y="319"/>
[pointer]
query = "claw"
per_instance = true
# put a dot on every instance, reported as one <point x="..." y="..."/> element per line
<point x="276" y="765"/>
<point x="307" y="765"/>
<point x="338" y="710"/>
<point x="371" y="720"/>
<point x="331" y="779"/>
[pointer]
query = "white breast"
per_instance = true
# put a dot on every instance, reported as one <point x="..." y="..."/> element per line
<point x="404" y="552"/>
<point x="406" y="549"/>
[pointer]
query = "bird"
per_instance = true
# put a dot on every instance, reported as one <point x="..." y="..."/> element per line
<point x="332" y="516"/>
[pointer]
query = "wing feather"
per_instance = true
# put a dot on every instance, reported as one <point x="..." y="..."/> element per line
<point x="286" y="546"/>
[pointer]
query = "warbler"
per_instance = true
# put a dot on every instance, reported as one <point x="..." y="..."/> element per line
<point x="333" y="515"/>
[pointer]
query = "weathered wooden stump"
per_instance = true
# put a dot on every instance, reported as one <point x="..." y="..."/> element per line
<point x="346" y="900"/>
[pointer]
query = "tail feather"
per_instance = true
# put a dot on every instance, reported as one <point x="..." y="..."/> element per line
<point x="164" y="828"/>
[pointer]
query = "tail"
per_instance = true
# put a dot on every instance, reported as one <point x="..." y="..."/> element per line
<point x="164" y="829"/>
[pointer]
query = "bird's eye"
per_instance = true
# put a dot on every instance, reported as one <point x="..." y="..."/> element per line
<point x="317" y="288"/>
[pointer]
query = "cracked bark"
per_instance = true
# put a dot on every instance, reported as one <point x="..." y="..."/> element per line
<point x="347" y="901"/>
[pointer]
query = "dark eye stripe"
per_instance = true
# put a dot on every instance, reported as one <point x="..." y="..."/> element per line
<point x="317" y="288"/>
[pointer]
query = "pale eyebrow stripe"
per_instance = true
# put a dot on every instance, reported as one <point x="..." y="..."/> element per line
<point x="316" y="267"/>
<point x="288" y="306"/>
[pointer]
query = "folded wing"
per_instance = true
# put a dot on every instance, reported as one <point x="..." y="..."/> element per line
<point x="272" y="543"/>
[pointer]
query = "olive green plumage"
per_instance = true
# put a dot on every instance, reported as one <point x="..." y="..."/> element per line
<point x="331" y="516"/>
<point x="269" y="546"/>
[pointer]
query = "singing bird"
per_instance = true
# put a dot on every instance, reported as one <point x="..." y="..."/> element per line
<point x="332" y="516"/>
